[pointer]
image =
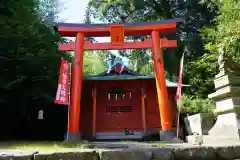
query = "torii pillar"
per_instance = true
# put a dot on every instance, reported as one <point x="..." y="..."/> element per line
<point x="167" y="133"/>
<point x="74" y="133"/>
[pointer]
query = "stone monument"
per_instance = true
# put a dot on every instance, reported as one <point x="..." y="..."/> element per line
<point x="227" y="98"/>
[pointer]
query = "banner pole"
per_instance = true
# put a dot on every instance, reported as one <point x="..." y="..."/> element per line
<point x="178" y="116"/>
<point x="69" y="93"/>
<point x="179" y="93"/>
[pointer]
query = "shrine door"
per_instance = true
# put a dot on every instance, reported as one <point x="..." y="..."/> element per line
<point x="119" y="115"/>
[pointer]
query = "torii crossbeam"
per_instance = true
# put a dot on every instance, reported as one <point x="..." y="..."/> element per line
<point x="108" y="46"/>
<point x="117" y="32"/>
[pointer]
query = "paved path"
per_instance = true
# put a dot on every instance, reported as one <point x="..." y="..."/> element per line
<point x="130" y="151"/>
<point x="112" y="145"/>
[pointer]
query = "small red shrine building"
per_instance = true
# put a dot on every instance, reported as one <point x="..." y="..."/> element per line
<point x="124" y="104"/>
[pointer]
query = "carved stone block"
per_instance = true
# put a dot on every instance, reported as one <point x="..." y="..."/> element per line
<point x="227" y="79"/>
<point x="199" y="123"/>
<point x="226" y="125"/>
<point x="227" y="98"/>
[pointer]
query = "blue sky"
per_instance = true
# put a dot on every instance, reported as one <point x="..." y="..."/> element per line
<point x="72" y="11"/>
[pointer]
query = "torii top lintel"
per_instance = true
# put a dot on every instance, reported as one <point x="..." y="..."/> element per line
<point x="130" y="29"/>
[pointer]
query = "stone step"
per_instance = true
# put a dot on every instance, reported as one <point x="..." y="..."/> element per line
<point x="215" y="140"/>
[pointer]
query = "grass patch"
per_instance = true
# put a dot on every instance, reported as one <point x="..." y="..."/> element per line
<point x="46" y="146"/>
<point x="150" y="143"/>
<point x="157" y="144"/>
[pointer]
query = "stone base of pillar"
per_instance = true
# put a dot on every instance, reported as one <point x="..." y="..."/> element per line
<point x="169" y="136"/>
<point x="73" y="137"/>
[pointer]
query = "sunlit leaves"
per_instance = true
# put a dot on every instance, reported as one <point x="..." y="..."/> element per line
<point x="93" y="64"/>
<point x="227" y="32"/>
<point x="201" y="73"/>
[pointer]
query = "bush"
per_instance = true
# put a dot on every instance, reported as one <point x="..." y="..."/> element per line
<point x="190" y="105"/>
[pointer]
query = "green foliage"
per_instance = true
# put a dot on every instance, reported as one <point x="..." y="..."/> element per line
<point x="201" y="73"/>
<point x="48" y="10"/>
<point x="136" y="4"/>
<point x="146" y="69"/>
<point x="29" y="55"/>
<point x="226" y="33"/>
<point x="143" y="58"/>
<point x="192" y="105"/>
<point x="93" y="65"/>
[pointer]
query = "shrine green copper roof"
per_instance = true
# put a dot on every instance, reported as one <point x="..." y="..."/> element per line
<point x="128" y="77"/>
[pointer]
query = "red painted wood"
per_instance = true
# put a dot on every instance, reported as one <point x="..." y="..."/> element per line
<point x="109" y="46"/>
<point x="165" y="111"/>
<point x="71" y="31"/>
<point x="117" y="122"/>
<point x="117" y="35"/>
<point x="127" y="45"/>
<point x="108" y="123"/>
<point x="143" y="106"/>
<point x="94" y="109"/>
<point x="152" y="108"/>
<point x="87" y="109"/>
<point x="74" y="118"/>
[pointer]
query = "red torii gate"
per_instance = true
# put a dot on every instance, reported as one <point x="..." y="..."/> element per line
<point x="117" y="32"/>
